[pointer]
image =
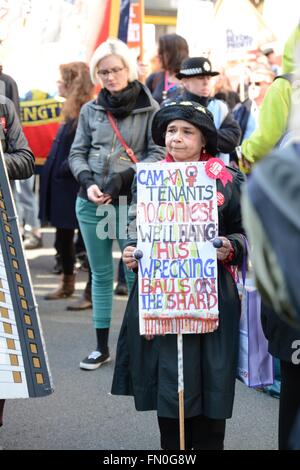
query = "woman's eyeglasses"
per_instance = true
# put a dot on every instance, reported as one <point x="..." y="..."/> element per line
<point x="113" y="71"/>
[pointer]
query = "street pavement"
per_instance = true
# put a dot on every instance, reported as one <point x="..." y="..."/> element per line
<point x="81" y="413"/>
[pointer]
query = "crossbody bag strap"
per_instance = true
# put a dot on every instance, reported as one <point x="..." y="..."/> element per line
<point x="128" y="150"/>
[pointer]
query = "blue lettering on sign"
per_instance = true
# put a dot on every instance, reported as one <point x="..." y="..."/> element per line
<point x="151" y="177"/>
<point x="236" y="41"/>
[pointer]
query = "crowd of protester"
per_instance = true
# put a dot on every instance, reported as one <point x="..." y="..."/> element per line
<point x="91" y="166"/>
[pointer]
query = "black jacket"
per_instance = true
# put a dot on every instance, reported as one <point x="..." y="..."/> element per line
<point x="18" y="157"/>
<point x="229" y="133"/>
<point x="280" y="335"/>
<point x="273" y="194"/>
<point x="148" y="369"/>
<point x="156" y="84"/>
<point x="9" y="88"/>
<point x="58" y="189"/>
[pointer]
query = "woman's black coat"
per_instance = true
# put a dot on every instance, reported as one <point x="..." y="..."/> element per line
<point x="148" y="369"/>
<point x="58" y="186"/>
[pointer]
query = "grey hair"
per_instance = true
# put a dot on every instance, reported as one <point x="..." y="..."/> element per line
<point x="116" y="47"/>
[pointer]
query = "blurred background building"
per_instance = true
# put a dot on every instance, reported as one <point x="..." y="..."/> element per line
<point x="35" y="36"/>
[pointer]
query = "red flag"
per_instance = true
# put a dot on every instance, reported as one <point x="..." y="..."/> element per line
<point x="119" y="19"/>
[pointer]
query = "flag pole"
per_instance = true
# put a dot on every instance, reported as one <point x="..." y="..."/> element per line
<point x="180" y="391"/>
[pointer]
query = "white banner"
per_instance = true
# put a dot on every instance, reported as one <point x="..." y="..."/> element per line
<point x="282" y="17"/>
<point x="238" y="28"/>
<point x="194" y="23"/>
<point x="37" y="36"/>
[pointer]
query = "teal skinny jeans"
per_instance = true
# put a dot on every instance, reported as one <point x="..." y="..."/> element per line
<point x="99" y="252"/>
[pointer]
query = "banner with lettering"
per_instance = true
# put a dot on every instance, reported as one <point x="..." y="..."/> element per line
<point x="40" y="120"/>
<point x="177" y="219"/>
<point x="135" y="27"/>
<point x="238" y="28"/>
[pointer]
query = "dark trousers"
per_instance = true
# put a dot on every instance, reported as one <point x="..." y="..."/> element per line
<point x="79" y="243"/>
<point x="289" y="408"/>
<point x="201" y="433"/>
<point x="121" y="273"/>
<point x="64" y="244"/>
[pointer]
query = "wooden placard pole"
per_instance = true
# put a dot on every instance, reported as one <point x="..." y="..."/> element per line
<point x="181" y="391"/>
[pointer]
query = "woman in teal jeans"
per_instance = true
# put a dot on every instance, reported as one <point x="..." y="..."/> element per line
<point x="99" y="162"/>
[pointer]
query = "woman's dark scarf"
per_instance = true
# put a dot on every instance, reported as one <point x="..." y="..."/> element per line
<point x="121" y="104"/>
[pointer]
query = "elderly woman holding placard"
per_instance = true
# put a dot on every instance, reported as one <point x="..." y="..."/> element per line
<point x="146" y="364"/>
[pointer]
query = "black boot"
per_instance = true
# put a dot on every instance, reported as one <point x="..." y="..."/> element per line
<point x="101" y="355"/>
<point x="121" y="287"/>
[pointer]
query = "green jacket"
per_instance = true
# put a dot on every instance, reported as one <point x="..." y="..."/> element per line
<point x="275" y="108"/>
<point x="273" y="120"/>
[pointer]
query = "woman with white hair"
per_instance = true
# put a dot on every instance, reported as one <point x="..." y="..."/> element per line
<point x="113" y="133"/>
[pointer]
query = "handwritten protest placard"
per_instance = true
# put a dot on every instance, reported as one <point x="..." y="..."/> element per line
<point x="177" y="218"/>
